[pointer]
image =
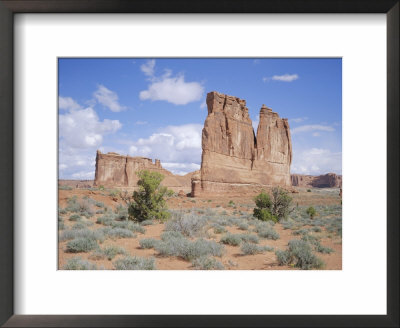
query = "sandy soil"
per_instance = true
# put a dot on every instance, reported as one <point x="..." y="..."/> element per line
<point x="232" y="258"/>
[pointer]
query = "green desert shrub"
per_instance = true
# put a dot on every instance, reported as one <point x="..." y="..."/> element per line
<point x="207" y="263"/>
<point x="81" y="245"/>
<point x="82" y="206"/>
<point x="135" y="263"/>
<point x="263" y="209"/>
<point x="148" y="243"/>
<point x="251" y="249"/>
<point x="311" y="212"/>
<point x="64" y="187"/>
<point x="243" y="226"/>
<point x="300" y="255"/>
<point x="77" y="263"/>
<point x="149" y="201"/>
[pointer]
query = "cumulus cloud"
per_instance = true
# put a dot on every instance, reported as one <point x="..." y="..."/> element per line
<point x="180" y="146"/>
<point x="67" y="103"/>
<point x="108" y="99"/>
<point x="311" y="128"/>
<point x="81" y="132"/>
<point x="83" y="129"/>
<point x="148" y="67"/>
<point x="316" y="161"/>
<point x="282" y="78"/>
<point x="173" y="89"/>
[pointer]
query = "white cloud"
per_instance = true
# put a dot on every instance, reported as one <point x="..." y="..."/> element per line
<point x="203" y="105"/>
<point x="298" y="119"/>
<point x="317" y="161"/>
<point x="148" y="67"/>
<point x="316" y="134"/>
<point x="313" y="127"/>
<point x="108" y="98"/>
<point x="81" y="132"/>
<point x="181" y="168"/>
<point x="83" y="129"/>
<point x="180" y="145"/>
<point x="67" y="103"/>
<point x="173" y="89"/>
<point x="282" y="78"/>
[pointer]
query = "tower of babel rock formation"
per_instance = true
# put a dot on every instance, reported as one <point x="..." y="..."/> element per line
<point x="234" y="159"/>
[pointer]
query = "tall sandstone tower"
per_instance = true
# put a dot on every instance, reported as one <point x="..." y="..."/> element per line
<point x="234" y="159"/>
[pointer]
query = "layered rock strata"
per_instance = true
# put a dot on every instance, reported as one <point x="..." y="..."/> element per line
<point x="234" y="158"/>
<point x="330" y="180"/>
<point x="117" y="171"/>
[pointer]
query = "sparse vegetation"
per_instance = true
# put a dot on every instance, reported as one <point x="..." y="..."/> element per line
<point x="149" y="201"/>
<point x="148" y="243"/>
<point x="135" y="263"/>
<point x="300" y="255"/>
<point x="81" y="245"/>
<point x="251" y="249"/>
<point x="189" y="224"/>
<point x="76" y="263"/>
<point x="207" y="263"/>
<point x="231" y="239"/>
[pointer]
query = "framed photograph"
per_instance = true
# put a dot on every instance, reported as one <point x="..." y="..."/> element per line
<point x="164" y="165"/>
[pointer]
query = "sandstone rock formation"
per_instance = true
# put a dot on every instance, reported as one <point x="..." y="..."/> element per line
<point x="234" y="159"/>
<point x="330" y="180"/>
<point x="114" y="170"/>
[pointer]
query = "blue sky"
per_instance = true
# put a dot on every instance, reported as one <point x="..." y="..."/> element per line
<point x="156" y="108"/>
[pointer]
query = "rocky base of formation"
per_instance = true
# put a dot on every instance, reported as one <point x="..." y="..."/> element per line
<point x="330" y="180"/>
<point x="235" y="159"/>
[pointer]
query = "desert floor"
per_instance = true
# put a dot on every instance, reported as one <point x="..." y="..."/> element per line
<point x="100" y="214"/>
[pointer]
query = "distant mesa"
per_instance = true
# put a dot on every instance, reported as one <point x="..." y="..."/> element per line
<point x="235" y="160"/>
<point x="115" y="170"/>
<point x="330" y="180"/>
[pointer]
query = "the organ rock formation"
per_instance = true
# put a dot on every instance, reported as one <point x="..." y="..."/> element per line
<point x="114" y="170"/>
<point x="234" y="158"/>
<point x="330" y="180"/>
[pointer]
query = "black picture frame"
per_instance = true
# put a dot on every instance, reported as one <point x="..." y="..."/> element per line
<point x="10" y="7"/>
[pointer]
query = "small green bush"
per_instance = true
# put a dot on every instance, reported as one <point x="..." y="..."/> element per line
<point x="188" y="224"/>
<point x="149" y="201"/>
<point x="219" y="228"/>
<point x="311" y="212"/>
<point x="119" y="233"/>
<point x="81" y="244"/>
<point x="135" y="263"/>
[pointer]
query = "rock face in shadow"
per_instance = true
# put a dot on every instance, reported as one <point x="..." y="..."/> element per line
<point x="117" y="171"/>
<point x="234" y="159"/>
<point x="330" y="180"/>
